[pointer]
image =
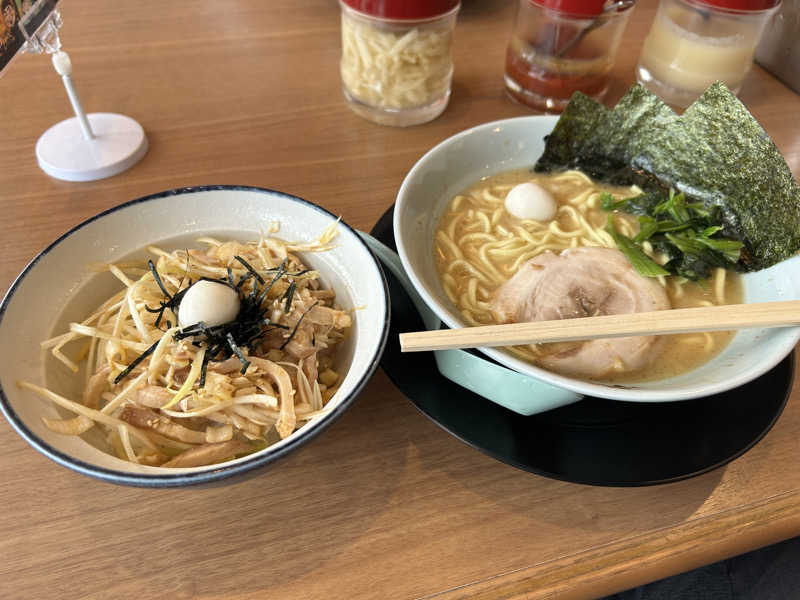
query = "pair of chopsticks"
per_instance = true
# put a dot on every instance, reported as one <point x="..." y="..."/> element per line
<point x="681" y="320"/>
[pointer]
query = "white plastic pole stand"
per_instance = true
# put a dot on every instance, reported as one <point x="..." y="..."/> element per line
<point x="88" y="147"/>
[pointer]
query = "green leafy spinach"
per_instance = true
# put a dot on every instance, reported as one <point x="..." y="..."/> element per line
<point x="686" y="232"/>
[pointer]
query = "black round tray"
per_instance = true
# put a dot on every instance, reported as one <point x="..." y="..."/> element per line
<point x="594" y="441"/>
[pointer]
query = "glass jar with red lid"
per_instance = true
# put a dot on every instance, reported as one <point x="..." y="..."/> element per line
<point x="396" y="63"/>
<point x="559" y="47"/>
<point x="693" y="43"/>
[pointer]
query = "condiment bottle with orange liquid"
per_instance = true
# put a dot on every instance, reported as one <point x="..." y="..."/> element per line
<point x="559" y="47"/>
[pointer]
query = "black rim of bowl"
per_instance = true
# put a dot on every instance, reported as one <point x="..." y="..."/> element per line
<point x="210" y="475"/>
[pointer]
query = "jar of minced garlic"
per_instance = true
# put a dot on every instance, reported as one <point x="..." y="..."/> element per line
<point x="397" y="62"/>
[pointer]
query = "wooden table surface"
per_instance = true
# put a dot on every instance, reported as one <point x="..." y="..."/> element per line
<point x="384" y="504"/>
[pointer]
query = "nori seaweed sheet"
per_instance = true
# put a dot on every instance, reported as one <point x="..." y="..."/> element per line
<point x="715" y="153"/>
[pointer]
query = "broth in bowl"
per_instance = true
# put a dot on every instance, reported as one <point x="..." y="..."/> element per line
<point x="482" y="252"/>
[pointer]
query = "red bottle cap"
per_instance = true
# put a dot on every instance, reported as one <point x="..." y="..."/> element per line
<point x="579" y="8"/>
<point x="744" y="5"/>
<point x="402" y="10"/>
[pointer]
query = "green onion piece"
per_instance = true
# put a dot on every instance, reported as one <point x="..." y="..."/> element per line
<point x="679" y="210"/>
<point x="664" y="226"/>
<point x="688" y="242"/>
<point x="644" y="265"/>
<point x="698" y="209"/>
<point x="647" y="227"/>
<point x="730" y="249"/>
<point x="675" y="206"/>
<point x="608" y="202"/>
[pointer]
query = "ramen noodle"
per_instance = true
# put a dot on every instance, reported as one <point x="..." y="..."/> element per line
<point x="479" y="246"/>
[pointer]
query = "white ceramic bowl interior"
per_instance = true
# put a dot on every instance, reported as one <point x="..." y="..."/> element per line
<point x="58" y="288"/>
<point x="517" y="143"/>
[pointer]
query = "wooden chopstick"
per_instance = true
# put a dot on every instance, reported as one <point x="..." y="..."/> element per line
<point x="681" y="320"/>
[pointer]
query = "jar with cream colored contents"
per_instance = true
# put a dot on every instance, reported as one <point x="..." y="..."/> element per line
<point x="693" y="43"/>
<point x="397" y="61"/>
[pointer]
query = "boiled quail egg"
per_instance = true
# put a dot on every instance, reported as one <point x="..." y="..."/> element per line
<point x="210" y="302"/>
<point x="531" y="201"/>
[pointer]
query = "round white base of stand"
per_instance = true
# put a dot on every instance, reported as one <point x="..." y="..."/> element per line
<point x="64" y="153"/>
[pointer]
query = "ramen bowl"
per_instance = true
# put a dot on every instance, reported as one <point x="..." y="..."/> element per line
<point x="58" y="288"/>
<point x="511" y="144"/>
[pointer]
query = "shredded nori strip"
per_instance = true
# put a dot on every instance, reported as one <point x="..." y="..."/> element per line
<point x="242" y="280"/>
<point x="287" y="297"/>
<point x="249" y="267"/>
<point x="238" y="352"/>
<point x="171" y="304"/>
<point x="280" y="271"/>
<point x="157" y="277"/>
<point x="251" y="324"/>
<point x="203" y="369"/>
<point x="300" y="320"/>
<point x="135" y="363"/>
<point x="191" y="330"/>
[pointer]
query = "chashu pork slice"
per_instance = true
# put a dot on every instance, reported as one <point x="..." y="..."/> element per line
<point x="583" y="282"/>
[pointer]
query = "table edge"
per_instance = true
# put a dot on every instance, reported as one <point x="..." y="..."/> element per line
<point x="631" y="562"/>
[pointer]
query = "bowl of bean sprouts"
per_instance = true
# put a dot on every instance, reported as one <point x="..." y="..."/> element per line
<point x="190" y="336"/>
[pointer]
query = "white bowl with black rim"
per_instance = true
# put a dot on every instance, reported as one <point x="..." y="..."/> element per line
<point x="57" y="288"/>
